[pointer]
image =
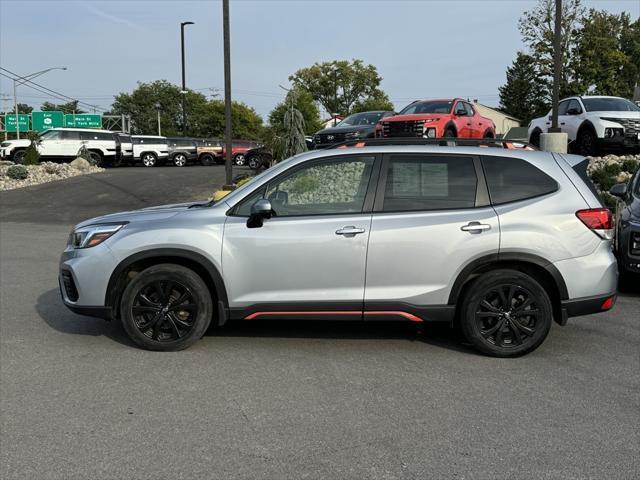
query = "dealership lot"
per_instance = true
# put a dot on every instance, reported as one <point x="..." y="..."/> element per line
<point x="283" y="399"/>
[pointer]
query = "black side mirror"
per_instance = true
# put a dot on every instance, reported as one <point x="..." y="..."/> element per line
<point x="260" y="211"/>
<point x="573" y="111"/>
<point x="461" y="112"/>
<point x="619" y="190"/>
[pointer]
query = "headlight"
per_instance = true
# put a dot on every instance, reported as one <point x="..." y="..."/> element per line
<point x="431" y="120"/>
<point x="92" y="235"/>
<point x="430" y="133"/>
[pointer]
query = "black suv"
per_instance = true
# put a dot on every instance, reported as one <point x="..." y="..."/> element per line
<point x="627" y="239"/>
<point x="354" y="127"/>
<point x="182" y="150"/>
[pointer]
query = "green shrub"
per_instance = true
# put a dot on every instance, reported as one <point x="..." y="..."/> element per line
<point x="605" y="177"/>
<point x="84" y="153"/>
<point x="17" y="172"/>
<point x="31" y="155"/>
<point x="630" y="166"/>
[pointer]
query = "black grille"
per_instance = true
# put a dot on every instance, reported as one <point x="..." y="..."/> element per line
<point x="331" y="137"/>
<point x="403" y="129"/>
<point x="69" y="286"/>
<point x="634" y="244"/>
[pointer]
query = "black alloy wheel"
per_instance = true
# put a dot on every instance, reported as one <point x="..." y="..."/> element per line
<point x="95" y="159"/>
<point x="18" y="157"/>
<point x="166" y="307"/>
<point x="506" y="313"/>
<point x="449" y="133"/>
<point x="587" y="143"/>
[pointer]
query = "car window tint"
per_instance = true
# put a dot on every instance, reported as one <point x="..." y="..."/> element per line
<point x="469" y="109"/>
<point x="70" y="135"/>
<point x="512" y="179"/>
<point x="244" y="208"/>
<point x="574" y="104"/>
<point x="429" y="182"/>
<point x="563" y="107"/>
<point x="322" y="188"/>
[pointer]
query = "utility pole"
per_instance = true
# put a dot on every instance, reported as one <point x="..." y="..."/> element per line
<point x="227" y="93"/>
<point x="158" y="108"/>
<point x="5" y="99"/>
<point x="557" y="67"/>
<point x="183" y="92"/>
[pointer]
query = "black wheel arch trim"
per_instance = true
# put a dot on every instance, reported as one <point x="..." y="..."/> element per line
<point x="496" y="259"/>
<point x="450" y="125"/>
<point x="115" y="286"/>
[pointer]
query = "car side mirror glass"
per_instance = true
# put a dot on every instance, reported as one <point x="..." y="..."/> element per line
<point x="260" y="211"/>
<point x="619" y="190"/>
<point x="461" y="113"/>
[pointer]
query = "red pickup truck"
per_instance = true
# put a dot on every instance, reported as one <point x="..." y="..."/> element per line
<point x="239" y="149"/>
<point x="450" y="118"/>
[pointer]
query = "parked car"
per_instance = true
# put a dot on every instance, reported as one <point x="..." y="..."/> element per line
<point x="239" y="149"/>
<point x="358" y="125"/>
<point x="627" y="239"/>
<point x="209" y="151"/>
<point x="593" y="124"/>
<point x="449" y="118"/>
<point x="151" y="150"/>
<point x="125" y="152"/>
<point x="182" y="150"/>
<point x="64" y="144"/>
<point x="417" y="233"/>
<point x="260" y="157"/>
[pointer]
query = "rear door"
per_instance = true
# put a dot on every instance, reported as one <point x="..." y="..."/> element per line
<point x="431" y="218"/>
<point x="311" y="255"/>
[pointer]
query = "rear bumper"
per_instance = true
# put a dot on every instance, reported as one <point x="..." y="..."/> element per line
<point x="588" y="305"/>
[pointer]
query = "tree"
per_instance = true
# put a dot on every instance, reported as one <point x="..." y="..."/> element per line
<point x="205" y="118"/>
<point x="303" y="103"/>
<point x="340" y="84"/>
<point x="630" y="46"/>
<point x="524" y="95"/>
<point x="69" y="107"/>
<point x="293" y="138"/>
<point x="22" y="108"/>
<point x="379" y="101"/>
<point x="537" y="27"/>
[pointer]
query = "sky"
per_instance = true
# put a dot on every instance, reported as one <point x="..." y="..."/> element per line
<point x="421" y="48"/>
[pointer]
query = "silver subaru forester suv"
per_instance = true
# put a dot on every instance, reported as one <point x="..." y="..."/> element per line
<point x="499" y="242"/>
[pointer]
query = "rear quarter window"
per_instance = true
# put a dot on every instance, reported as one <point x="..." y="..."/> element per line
<point x="513" y="179"/>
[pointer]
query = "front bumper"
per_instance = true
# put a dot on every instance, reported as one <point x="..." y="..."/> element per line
<point x="620" y="142"/>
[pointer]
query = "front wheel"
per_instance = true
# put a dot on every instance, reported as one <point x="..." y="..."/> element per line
<point x="180" y="160"/>
<point x="149" y="160"/>
<point x="239" y="159"/>
<point x="166" y="307"/>
<point x="449" y="133"/>
<point x="255" y="162"/>
<point x="506" y="313"/>
<point x="587" y="143"/>
<point x="18" y="157"/>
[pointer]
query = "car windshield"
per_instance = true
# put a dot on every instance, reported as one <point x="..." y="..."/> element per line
<point x="609" y="105"/>
<point x="366" y="118"/>
<point x="442" y="106"/>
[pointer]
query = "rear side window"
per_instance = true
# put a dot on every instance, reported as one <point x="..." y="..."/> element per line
<point x="429" y="182"/>
<point x="513" y="179"/>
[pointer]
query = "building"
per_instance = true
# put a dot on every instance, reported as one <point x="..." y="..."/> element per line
<point x="503" y="122"/>
<point x="636" y="95"/>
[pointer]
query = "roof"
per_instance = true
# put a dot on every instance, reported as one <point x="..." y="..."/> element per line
<point x="76" y="129"/>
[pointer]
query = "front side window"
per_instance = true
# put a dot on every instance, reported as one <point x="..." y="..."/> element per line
<point x="562" y="108"/>
<point x="469" y="109"/>
<point x="513" y="179"/>
<point x="70" y="135"/>
<point x="337" y="186"/>
<point x="429" y="182"/>
<point x="575" y="106"/>
<point x="51" y="135"/>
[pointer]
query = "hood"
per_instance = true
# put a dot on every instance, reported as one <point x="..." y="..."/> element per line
<point x="148" y="214"/>
<point x="346" y="129"/>
<point x="23" y="142"/>
<point x="630" y="115"/>
<point x="416" y="117"/>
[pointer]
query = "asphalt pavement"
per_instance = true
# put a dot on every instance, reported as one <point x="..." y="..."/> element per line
<point x="287" y="400"/>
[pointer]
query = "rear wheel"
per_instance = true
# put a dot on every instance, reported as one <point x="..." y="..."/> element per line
<point x="179" y="159"/>
<point x="96" y="159"/>
<point x="206" y="159"/>
<point x="506" y="313"/>
<point x="166" y="307"/>
<point x="149" y="159"/>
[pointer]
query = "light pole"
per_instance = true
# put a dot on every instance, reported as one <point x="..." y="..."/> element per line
<point x="20" y="81"/>
<point x="184" y="87"/>
<point x="557" y="67"/>
<point x="158" y="108"/>
<point x="227" y="91"/>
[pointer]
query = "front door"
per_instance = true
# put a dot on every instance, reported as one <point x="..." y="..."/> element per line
<point x="310" y="256"/>
<point x="50" y="144"/>
<point x="431" y="219"/>
<point x="463" y="121"/>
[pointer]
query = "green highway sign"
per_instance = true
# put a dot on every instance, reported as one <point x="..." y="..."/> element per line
<point x="82" y="120"/>
<point x="10" y="122"/>
<point x="46" y="120"/>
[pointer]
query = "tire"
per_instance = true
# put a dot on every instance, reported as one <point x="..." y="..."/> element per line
<point x="149" y="159"/>
<point x="96" y="158"/>
<point x="254" y="162"/>
<point x="239" y="159"/>
<point x="534" y="139"/>
<point x="488" y="134"/>
<point x="587" y="143"/>
<point x="18" y="156"/>
<point x="166" y="307"/>
<point x="179" y="159"/>
<point x="207" y="159"/>
<point x="492" y="314"/>
<point x="450" y="133"/>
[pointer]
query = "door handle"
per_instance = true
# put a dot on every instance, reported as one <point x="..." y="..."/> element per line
<point x="561" y="123"/>
<point x="475" y="227"/>
<point x="349" y="231"/>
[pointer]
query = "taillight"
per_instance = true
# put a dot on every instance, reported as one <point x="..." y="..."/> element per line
<point x="596" y="218"/>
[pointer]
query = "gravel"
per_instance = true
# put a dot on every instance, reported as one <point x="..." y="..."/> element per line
<point x="42" y="173"/>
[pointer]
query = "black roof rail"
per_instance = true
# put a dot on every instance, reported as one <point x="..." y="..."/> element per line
<point x="443" y="142"/>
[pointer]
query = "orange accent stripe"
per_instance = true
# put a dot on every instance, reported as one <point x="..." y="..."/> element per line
<point x="409" y="316"/>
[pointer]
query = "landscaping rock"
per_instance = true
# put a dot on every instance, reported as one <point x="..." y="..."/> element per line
<point x="81" y="164"/>
<point x="43" y="173"/>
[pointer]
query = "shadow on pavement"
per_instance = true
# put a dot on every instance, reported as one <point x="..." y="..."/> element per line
<point x="57" y="316"/>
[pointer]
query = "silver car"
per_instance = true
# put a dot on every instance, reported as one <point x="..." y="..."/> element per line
<point x="498" y="242"/>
